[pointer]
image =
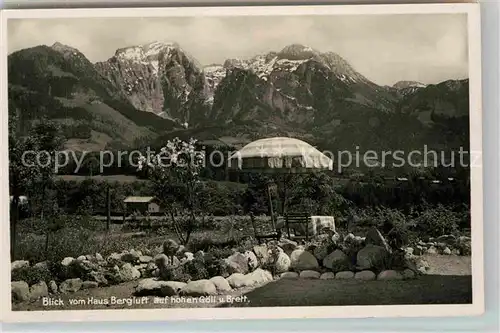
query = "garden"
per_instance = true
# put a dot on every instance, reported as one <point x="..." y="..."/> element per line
<point x="206" y="244"/>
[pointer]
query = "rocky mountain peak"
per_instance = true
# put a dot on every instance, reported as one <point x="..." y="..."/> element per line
<point x="297" y="52"/>
<point x="408" y="84"/>
<point x="146" y="54"/>
<point x="64" y="49"/>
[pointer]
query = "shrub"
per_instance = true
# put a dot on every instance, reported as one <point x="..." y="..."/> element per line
<point x="204" y="242"/>
<point x="196" y="269"/>
<point x="32" y="275"/>
<point x="219" y="253"/>
<point x="71" y="242"/>
<point x="438" y="221"/>
<point x="217" y="267"/>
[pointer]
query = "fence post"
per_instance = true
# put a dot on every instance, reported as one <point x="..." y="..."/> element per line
<point x="108" y="208"/>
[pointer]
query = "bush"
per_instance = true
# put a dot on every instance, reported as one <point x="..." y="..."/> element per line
<point x="438" y="221"/>
<point x="177" y="273"/>
<point x="217" y="267"/>
<point x="196" y="269"/>
<point x="32" y="275"/>
<point x="205" y="242"/>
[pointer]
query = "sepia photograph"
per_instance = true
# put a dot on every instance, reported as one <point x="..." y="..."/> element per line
<point x="320" y="160"/>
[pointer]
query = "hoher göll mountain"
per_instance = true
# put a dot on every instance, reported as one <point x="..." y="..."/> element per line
<point x="147" y="93"/>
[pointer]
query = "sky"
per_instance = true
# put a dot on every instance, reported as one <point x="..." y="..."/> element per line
<point x="428" y="48"/>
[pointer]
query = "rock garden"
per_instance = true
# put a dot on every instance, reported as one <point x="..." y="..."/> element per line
<point x="173" y="270"/>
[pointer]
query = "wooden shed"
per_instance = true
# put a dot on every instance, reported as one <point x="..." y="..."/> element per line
<point x="141" y="204"/>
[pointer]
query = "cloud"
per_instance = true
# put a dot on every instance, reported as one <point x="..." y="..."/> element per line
<point x="385" y="48"/>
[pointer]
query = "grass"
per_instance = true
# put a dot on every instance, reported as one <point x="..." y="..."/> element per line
<point x="110" y="178"/>
<point x="428" y="289"/>
<point x="75" y="240"/>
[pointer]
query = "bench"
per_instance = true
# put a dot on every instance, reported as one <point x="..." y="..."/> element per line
<point x="302" y="219"/>
<point x="260" y="236"/>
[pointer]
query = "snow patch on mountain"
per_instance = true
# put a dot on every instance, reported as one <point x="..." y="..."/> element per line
<point x="147" y="54"/>
<point x="286" y="60"/>
<point x="408" y="84"/>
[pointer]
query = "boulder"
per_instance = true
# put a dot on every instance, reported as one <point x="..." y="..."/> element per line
<point x="287" y="245"/>
<point x="447" y="251"/>
<point x="282" y="263"/>
<point x="145" y="259"/>
<point x="371" y="256"/>
<point x="258" y="277"/>
<point x="432" y="250"/>
<point x="91" y="257"/>
<point x="99" y="257"/>
<point x="114" y="259"/>
<point x="129" y="273"/>
<point x="81" y="258"/>
<point x="112" y="275"/>
<point x="418" y="250"/>
<point x="237" y="263"/>
<point x="303" y="260"/>
<point x="309" y="274"/>
<point x="327" y="276"/>
<point x="82" y="267"/>
<point x="237" y="280"/>
<point x="409" y="250"/>
<point x="262" y="253"/>
<point x="38" y="291"/>
<point x="42" y="265"/>
<point x="447" y="239"/>
<point x="53" y="287"/>
<point x="89" y="285"/>
<point x="365" y="276"/>
<point x="131" y="257"/>
<point x="374" y="237"/>
<point x="221" y="284"/>
<point x="19" y="264"/>
<point x="154" y="287"/>
<point x="67" y="261"/>
<point x="70" y="286"/>
<point x="336" y="261"/>
<point x="151" y="266"/>
<point x="20" y="291"/>
<point x="252" y="260"/>
<point x="289" y="275"/>
<point x="353" y="242"/>
<point x="345" y="275"/>
<point x="389" y="275"/>
<point x="199" y="288"/>
<point x="321" y="250"/>
<point x="188" y="256"/>
<point x="98" y="276"/>
<point x="420" y="264"/>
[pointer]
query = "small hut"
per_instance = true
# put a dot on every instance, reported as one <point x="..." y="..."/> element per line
<point x="142" y="205"/>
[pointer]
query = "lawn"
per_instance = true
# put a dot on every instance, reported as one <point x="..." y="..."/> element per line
<point x="100" y="178"/>
<point x="429" y="289"/>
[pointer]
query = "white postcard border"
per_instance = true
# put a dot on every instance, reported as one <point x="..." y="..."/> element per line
<point x="474" y="41"/>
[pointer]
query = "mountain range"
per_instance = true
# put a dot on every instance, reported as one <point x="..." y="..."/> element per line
<point x="147" y="93"/>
